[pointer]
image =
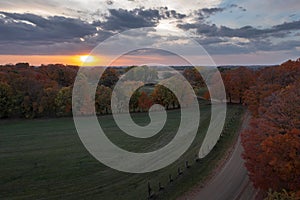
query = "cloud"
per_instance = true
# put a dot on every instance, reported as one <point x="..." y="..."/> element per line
<point x="24" y="33"/>
<point x="58" y="33"/>
<point x="171" y="13"/>
<point x="205" y="13"/>
<point x="211" y="11"/>
<point x="246" y="39"/>
<point x="32" y="28"/>
<point x="237" y="6"/>
<point x="152" y="52"/>
<point x="228" y="46"/>
<point x="120" y="19"/>
<point x="213" y="30"/>
<point x="209" y="40"/>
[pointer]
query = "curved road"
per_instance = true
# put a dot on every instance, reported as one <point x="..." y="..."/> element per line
<point x="232" y="182"/>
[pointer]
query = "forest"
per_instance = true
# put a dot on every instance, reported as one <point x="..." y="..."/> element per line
<point x="46" y="91"/>
<point x="271" y="94"/>
<point x="272" y="141"/>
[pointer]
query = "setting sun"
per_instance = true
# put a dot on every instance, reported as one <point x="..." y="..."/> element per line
<point x="87" y="59"/>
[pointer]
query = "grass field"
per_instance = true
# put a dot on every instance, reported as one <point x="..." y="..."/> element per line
<point x="45" y="159"/>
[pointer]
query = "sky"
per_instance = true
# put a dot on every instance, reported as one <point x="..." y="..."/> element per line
<point x="232" y="32"/>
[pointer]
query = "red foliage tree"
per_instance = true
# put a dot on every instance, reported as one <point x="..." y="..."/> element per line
<point x="144" y="102"/>
<point x="237" y="81"/>
<point x="272" y="142"/>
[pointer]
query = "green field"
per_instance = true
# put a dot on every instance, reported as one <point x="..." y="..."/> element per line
<point x="45" y="159"/>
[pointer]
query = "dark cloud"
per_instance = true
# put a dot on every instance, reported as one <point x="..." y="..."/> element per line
<point x="247" y="39"/>
<point x="233" y="6"/>
<point x="209" y="40"/>
<point x="60" y="34"/>
<point x="288" y="26"/>
<point x="32" y="34"/>
<point x="121" y="19"/>
<point x="249" y="32"/>
<point x="252" y="46"/>
<point x="238" y="7"/>
<point x="226" y="48"/>
<point x="211" y="11"/>
<point x="205" y="13"/>
<point x="28" y="27"/>
<point x="151" y="51"/>
<point x="171" y="14"/>
<point x="281" y="46"/>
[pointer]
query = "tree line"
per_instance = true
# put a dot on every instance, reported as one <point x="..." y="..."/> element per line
<point x="46" y="91"/>
<point x="272" y="141"/>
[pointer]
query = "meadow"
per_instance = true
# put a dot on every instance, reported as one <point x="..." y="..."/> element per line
<point x="45" y="159"/>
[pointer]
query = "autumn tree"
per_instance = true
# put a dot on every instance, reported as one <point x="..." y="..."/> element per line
<point x="109" y="78"/>
<point x="134" y="101"/>
<point x="282" y="195"/>
<point x="63" y="102"/>
<point x="237" y="81"/>
<point x="103" y="99"/>
<point x="282" y="109"/>
<point x="141" y="73"/>
<point x="256" y="94"/>
<point x="194" y="77"/>
<point x="206" y="95"/>
<point x="61" y="74"/>
<point x="144" y="101"/>
<point x="47" y="102"/>
<point x="269" y="80"/>
<point x="165" y="97"/>
<point x="272" y="141"/>
<point x="6" y="101"/>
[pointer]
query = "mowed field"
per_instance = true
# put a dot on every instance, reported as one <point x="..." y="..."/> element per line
<point x="45" y="159"/>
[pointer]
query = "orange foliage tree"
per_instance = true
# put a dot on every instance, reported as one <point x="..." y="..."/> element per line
<point x="144" y="102"/>
<point x="272" y="141"/>
<point x="237" y="81"/>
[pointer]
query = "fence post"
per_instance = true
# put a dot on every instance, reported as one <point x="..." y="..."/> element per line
<point x="160" y="187"/>
<point x="179" y="171"/>
<point x="149" y="191"/>
<point x="187" y="164"/>
<point x="170" y="178"/>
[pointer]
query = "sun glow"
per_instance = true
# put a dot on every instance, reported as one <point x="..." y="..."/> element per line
<point x="87" y="59"/>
